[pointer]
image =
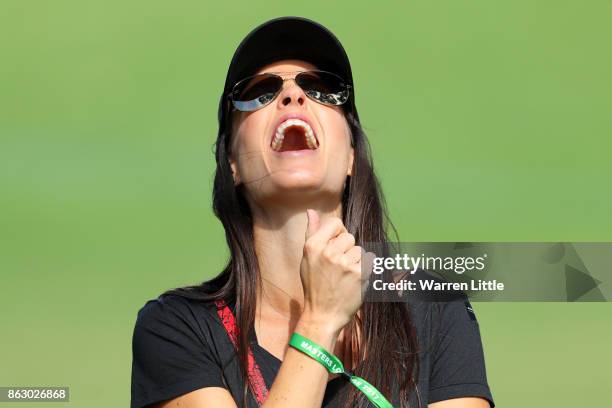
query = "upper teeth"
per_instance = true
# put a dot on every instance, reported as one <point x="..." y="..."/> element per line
<point x="277" y="142"/>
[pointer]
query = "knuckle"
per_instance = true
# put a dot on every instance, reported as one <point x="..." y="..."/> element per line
<point x="309" y="246"/>
<point x="328" y="254"/>
<point x="337" y="222"/>
<point x="344" y="263"/>
<point x="356" y="254"/>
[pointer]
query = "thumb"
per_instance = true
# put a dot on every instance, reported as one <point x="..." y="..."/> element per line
<point x="314" y="222"/>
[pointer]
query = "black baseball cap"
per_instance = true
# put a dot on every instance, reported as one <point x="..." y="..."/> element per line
<point x="287" y="38"/>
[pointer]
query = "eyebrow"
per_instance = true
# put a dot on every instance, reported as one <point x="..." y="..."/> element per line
<point x="284" y="72"/>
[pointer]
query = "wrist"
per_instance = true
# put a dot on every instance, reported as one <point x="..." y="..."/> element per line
<point x="319" y="330"/>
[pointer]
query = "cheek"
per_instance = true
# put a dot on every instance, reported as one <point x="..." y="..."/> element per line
<point x="245" y="139"/>
<point x="248" y="147"/>
<point x="333" y="120"/>
<point x="251" y="128"/>
<point x="339" y="152"/>
<point x="338" y="133"/>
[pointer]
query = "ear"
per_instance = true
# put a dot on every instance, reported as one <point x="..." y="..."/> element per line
<point x="349" y="171"/>
<point x="235" y="172"/>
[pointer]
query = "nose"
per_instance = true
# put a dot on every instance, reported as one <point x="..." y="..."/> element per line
<point x="291" y="94"/>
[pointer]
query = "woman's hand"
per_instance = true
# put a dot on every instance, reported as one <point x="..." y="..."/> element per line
<point x="331" y="273"/>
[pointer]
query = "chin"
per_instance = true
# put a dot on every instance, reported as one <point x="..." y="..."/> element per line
<point x="299" y="183"/>
<point x="297" y="178"/>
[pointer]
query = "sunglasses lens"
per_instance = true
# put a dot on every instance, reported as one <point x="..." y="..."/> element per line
<point x="256" y="92"/>
<point x="324" y="87"/>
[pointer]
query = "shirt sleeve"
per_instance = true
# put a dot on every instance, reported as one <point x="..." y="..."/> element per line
<point x="169" y="356"/>
<point x="458" y="364"/>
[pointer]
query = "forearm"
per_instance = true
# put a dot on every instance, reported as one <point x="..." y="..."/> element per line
<point x="299" y="371"/>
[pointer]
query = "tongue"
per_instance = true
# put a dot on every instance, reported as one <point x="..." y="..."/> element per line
<point x="294" y="139"/>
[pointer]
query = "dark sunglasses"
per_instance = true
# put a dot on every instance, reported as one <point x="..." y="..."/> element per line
<point x="257" y="91"/>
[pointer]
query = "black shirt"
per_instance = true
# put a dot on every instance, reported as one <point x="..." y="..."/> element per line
<point x="179" y="345"/>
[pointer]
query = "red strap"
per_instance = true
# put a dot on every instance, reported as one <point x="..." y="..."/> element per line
<point x="256" y="381"/>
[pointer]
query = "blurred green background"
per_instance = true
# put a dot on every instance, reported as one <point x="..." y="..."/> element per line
<point x="488" y="121"/>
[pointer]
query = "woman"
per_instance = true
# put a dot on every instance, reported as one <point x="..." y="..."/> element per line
<point x="296" y="193"/>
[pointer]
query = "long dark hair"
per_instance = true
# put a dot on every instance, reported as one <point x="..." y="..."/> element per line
<point x="391" y="362"/>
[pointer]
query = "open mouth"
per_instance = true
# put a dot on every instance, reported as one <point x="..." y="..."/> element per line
<point x="292" y="135"/>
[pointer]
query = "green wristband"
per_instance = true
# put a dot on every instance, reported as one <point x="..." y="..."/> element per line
<point x="334" y="365"/>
